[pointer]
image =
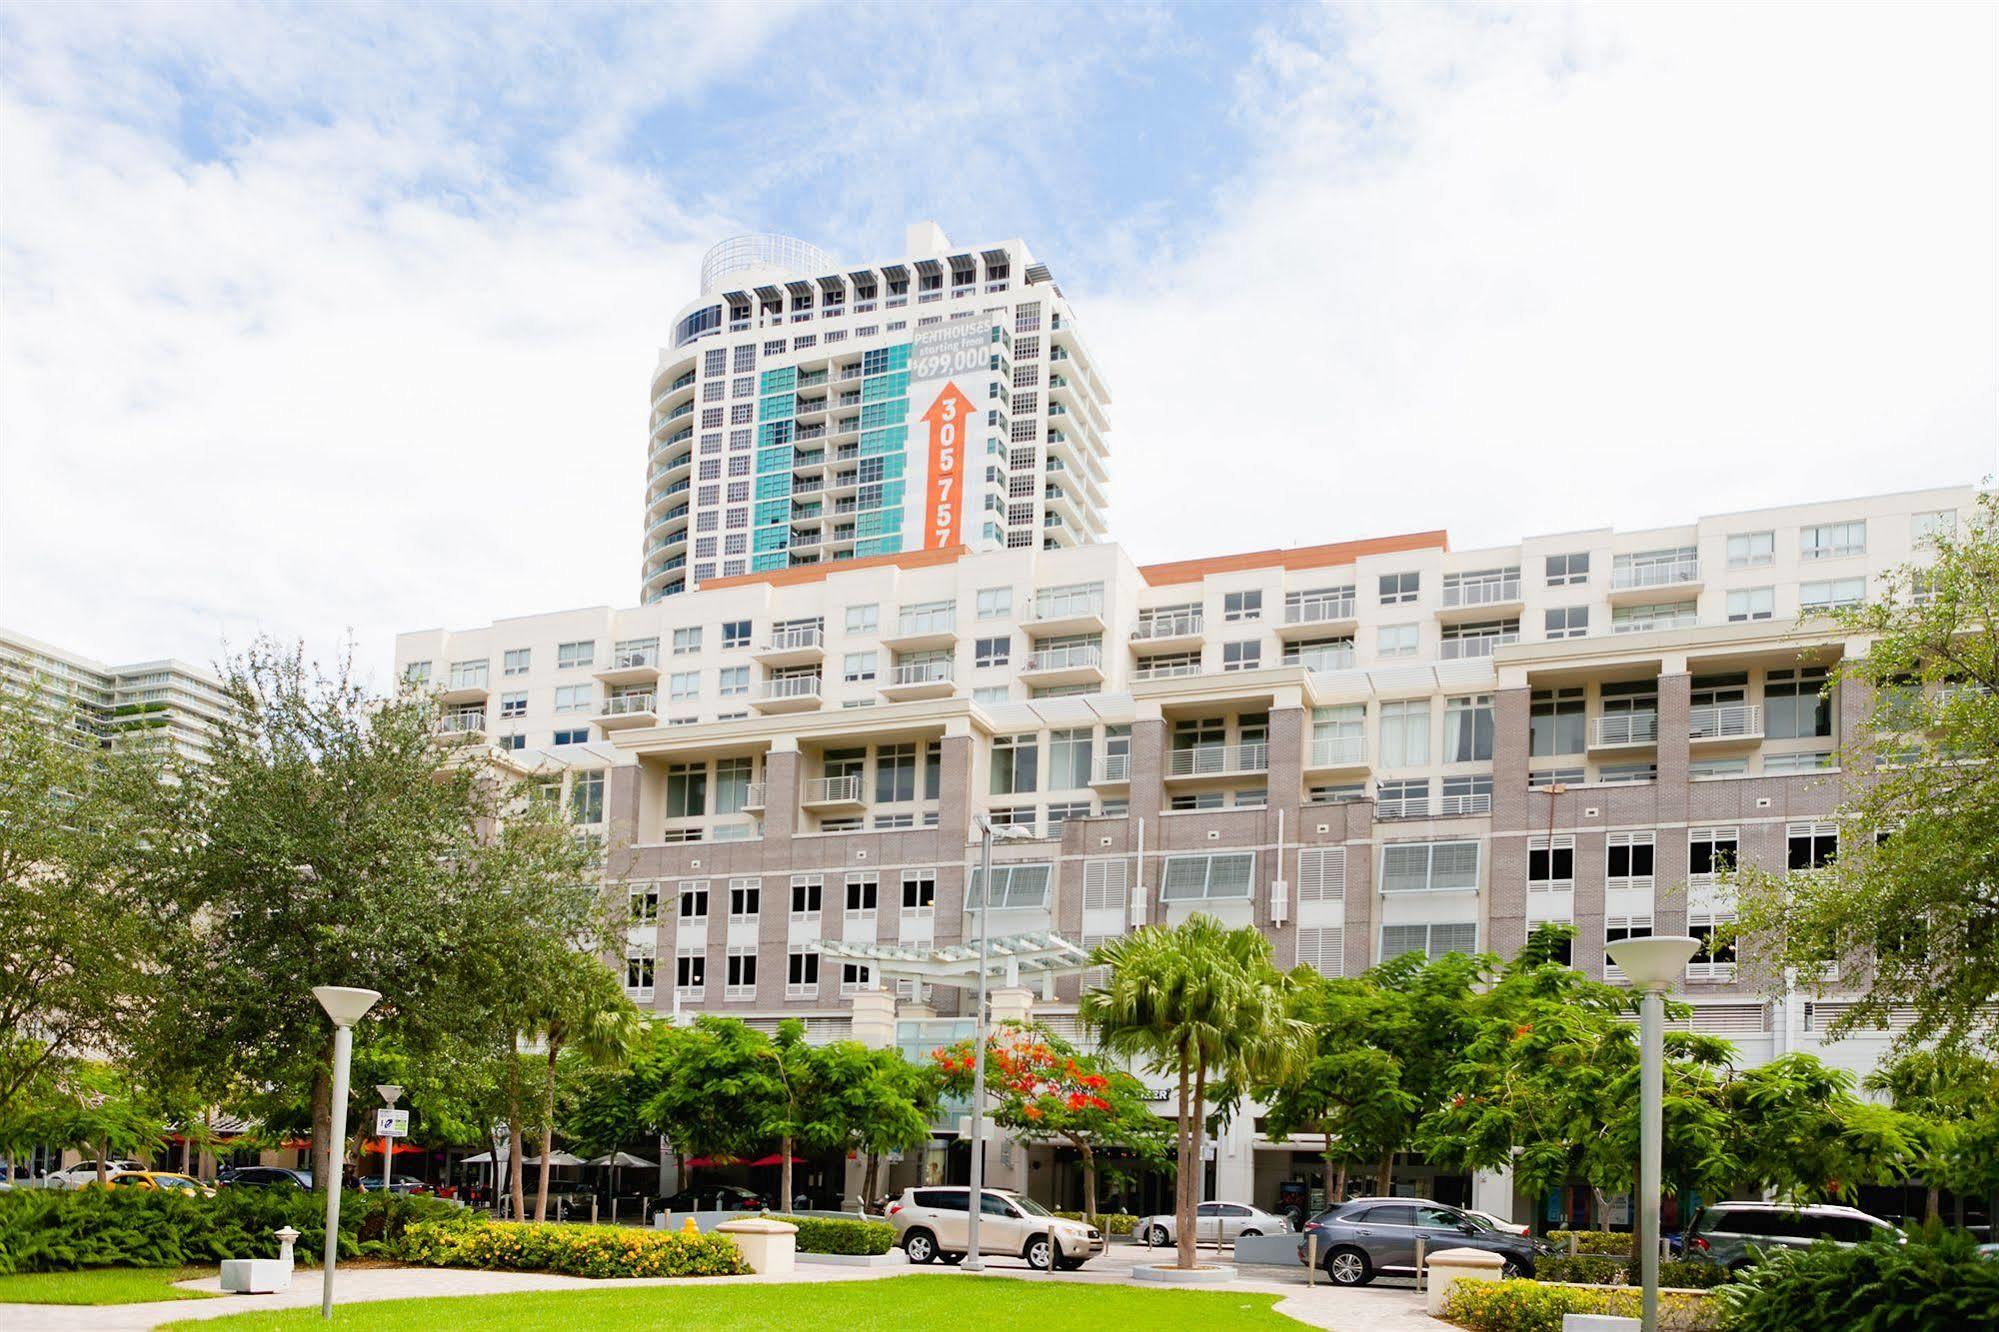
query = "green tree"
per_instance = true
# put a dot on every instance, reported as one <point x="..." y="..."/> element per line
<point x="88" y="1104"/>
<point x="1199" y="1001"/>
<point x="586" y="1014"/>
<point x="710" y="1089"/>
<point x="1801" y="1134"/>
<point x="1913" y="917"/>
<point x="1950" y="1092"/>
<point x="1044" y="1089"/>
<point x="883" y="1102"/>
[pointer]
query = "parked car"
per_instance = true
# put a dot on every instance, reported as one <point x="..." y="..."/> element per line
<point x="1369" y="1237"/>
<point x="397" y="1184"/>
<point x="1496" y="1222"/>
<point x="933" y="1223"/>
<point x="713" y="1198"/>
<point x="85" y="1172"/>
<point x="164" y="1180"/>
<point x="1213" y="1223"/>
<point x="1731" y="1234"/>
<point x="265" y="1177"/>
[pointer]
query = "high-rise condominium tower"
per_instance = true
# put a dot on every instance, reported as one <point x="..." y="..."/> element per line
<point x="808" y="412"/>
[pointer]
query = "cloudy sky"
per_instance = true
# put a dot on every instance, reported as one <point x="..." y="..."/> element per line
<point x="334" y="321"/>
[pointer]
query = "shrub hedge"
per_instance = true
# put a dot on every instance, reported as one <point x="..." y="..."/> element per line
<point x="1111" y="1223"/>
<point x="1602" y="1270"/>
<point x="818" y="1234"/>
<point x="1529" y="1306"/>
<point x="1934" y="1283"/>
<point x="572" y="1249"/>
<point x="1612" y="1242"/>
<point x="62" y="1230"/>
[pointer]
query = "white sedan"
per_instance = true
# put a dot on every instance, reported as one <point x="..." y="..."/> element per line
<point x="1497" y="1223"/>
<point x="1213" y="1223"/>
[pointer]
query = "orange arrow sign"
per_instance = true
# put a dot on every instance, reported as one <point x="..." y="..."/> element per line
<point x="949" y="418"/>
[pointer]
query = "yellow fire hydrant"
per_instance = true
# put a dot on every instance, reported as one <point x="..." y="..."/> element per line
<point x="688" y="1227"/>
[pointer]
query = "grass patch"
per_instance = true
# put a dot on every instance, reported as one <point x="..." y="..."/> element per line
<point x="896" y="1303"/>
<point x="101" y="1285"/>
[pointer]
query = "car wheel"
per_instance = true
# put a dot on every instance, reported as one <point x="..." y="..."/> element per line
<point x="1040" y="1253"/>
<point x="950" y="1259"/>
<point x="1509" y="1269"/>
<point x="920" y="1245"/>
<point x="1249" y="1234"/>
<point x="1157" y="1237"/>
<point x="1068" y="1264"/>
<point x="1348" y="1266"/>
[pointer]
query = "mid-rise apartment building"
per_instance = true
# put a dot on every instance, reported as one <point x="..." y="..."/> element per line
<point x="154" y="703"/>
<point x="1362" y="749"/>
<point x="808" y="412"/>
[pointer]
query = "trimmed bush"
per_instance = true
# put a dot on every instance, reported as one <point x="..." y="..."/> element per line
<point x="1530" y="1306"/>
<point x="1612" y="1242"/>
<point x="818" y="1234"/>
<point x="1111" y="1223"/>
<point x="1934" y="1283"/>
<point x="63" y="1230"/>
<point x="573" y="1250"/>
<point x="1601" y="1270"/>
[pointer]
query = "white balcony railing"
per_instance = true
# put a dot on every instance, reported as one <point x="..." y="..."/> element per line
<point x="789" y="686"/>
<point x="798" y="636"/>
<point x="1113" y="768"/>
<point x="1478" y="802"/>
<point x="1214" y="760"/>
<point x="1068" y="605"/>
<point x="1721" y="721"/>
<point x="625" y="659"/>
<point x="1655" y="573"/>
<point x="833" y="791"/>
<point x="1339" y="751"/>
<point x="1478" y="645"/>
<point x="1080" y="656"/>
<point x="1627" y="728"/>
<point x="624" y="705"/>
<point x="1166" y="626"/>
<point x="456" y="723"/>
<point x="753" y="796"/>
<point x="1317" y="610"/>
<point x="1168" y="672"/>
<point x="921" y="672"/>
<point x="918" y="623"/>
<point x="1484" y="592"/>
<point x="1402" y="807"/>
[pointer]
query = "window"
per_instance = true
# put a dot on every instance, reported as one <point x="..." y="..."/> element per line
<point x="586" y="798"/>
<point x="1751" y="603"/>
<point x="732" y="785"/>
<point x="573" y="698"/>
<point x="1014" y="886"/>
<point x="1405" y="733"/>
<point x="1244" y="656"/>
<point x="745" y="900"/>
<point x="741" y="979"/>
<point x="1402" y="800"/>
<point x="1399" y="589"/>
<point x="858" y="667"/>
<point x="1567" y="622"/>
<point x="991" y="694"/>
<point x="854" y="977"/>
<point x="995" y="603"/>
<point x="801" y="975"/>
<point x="686" y="790"/>
<point x="1935" y="523"/>
<point x="516" y="661"/>
<point x="1551" y="863"/>
<point x="919" y="891"/>
<point x="514" y="705"/>
<point x="1616" y="929"/>
<point x="1627" y="860"/>
<point x="1830" y="541"/>
<point x="1660" y="615"/>
<point x="992" y="652"/>
<point x="644" y="903"/>
<point x="1240" y="606"/>
<point x="1222" y="876"/>
<point x="690" y="972"/>
<point x="571" y="656"/>
<point x="575" y="737"/>
<point x="1069" y="759"/>
<point x="1794" y="706"/>
<point x="1014" y="764"/>
<point x="639" y="962"/>
<point x="693" y="895"/>
<point x="806" y="893"/>
<point x="735" y="633"/>
<point x="1811" y="761"/>
<point x="1811" y="845"/>
<point x="1711" y="851"/>
<point x="863" y="891"/>
<point x="682" y="686"/>
<point x="686" y="641"/>
<point x="864" y="619"/>
<point x="1832" y="594"/>
<point x="895" y="774"/>
<point x="1396" y="640"/>
<point x="1466" y="795"/>
<point x="1564" y="570"/>
<point x="1430" y="941"/>
<point x="733" y="681"/>
<point x="1468" y="729"/>
<point x="1708" y="769"/>
<point x="417" y="673"/>
<point x="1429" y="866"/>
<point x="1751" y="550"/>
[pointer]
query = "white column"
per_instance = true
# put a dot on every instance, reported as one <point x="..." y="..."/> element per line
<point x="874" y="1018"/>
<point x="1492" y="1191"/>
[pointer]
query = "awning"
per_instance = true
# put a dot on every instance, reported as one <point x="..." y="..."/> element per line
<point x="1042" y="954"/>
<point x="625" y="1160"/>
<point x="400" y="1149"/>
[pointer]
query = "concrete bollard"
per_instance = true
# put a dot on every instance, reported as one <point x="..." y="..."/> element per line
<point x="1449" y="1265"/>
<point x="769" y="1247"/>
<point x="261" y="1276"/>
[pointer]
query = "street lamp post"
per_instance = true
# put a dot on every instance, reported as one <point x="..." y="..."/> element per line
<point x="346" y="1007"/>
<point x="976" y="1203"/>
<point x="390" y="1093"/>
<point x="1651" y="964"/>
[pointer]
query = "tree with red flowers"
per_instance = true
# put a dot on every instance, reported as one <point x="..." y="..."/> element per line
<point x="1044" y="1089"/>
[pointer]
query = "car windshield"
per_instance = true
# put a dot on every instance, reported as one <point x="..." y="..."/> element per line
<point x="1029" y="1206"/>
<point x="175" y="1182"/>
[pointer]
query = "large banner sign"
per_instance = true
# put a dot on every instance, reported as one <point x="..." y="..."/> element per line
<point x="948" y="371"/>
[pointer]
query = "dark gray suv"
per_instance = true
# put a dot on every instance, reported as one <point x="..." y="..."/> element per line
<point x="1369" y="1237"/>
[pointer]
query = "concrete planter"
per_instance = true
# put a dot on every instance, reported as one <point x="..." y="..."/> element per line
<point x="769" y="1247"/>
<point x="1213" y="1275"/>
<point x="1449" y="1265"/>
<point x="893" y="1258"/>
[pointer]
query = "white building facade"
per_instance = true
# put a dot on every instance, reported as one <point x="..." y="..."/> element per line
<point x="165" y="703"/>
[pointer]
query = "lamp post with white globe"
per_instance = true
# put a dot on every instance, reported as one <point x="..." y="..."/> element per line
<point x="1651" y="964"/>
<point x="346" y="1007"/>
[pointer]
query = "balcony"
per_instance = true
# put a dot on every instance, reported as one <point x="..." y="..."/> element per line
<point x="1217" y="761"/>
<point x="1168" y="631"/>
<point x="1340" y="753"/>
<point x="468" y="688"/>
<point x="1173" y="670"/>
<point x="753" y="798"/>
<point x="923" y="631"/>
<point x="1724" y="724"/>
<point x="463" y="728"/>
<point x="623" y="711"/>
<point x="1625" y="730"/>
<point x="1312" y="616"/>
<point x="631" y="666"/>
<point x="1476" y="599"/>
<point x="1111" y="770"/>
<point x="920" y="679"/>
<point x="1057" y="613"/>
<point x="787" y="693"/>
<point x="1473" y="646"/>
<point x="799" y="645"/>
<point x="1644" y="580"/>
<point x="832" y="793"/>
<point x="1081" y="664"/>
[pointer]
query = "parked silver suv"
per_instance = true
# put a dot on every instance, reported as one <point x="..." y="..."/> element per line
<point x="1731" y="1234"/>
<point x="934" y="1222"/>
<point x="1370" y="1237"/>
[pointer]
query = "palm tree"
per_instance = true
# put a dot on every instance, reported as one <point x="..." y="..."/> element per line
<point x="1195" y="1000"/>
<point x="590" y="1016"/>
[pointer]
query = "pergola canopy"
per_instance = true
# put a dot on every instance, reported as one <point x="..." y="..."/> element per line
<point x="1042" y="955"/>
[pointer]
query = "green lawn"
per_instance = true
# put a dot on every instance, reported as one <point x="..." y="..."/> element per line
<point x="100" y="1285"/>
<point x="892" y="1302"/>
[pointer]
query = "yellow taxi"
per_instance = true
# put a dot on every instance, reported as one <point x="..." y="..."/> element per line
<point x="164" y="1180"/>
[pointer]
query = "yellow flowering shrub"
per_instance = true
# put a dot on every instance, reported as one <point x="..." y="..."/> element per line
<point x="574" y="1250"/>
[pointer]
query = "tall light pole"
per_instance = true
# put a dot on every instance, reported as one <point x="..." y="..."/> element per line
<point x="346" y="1007"/>
<point x="1651" y="964"/>
<point x="977" y="1194"/>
